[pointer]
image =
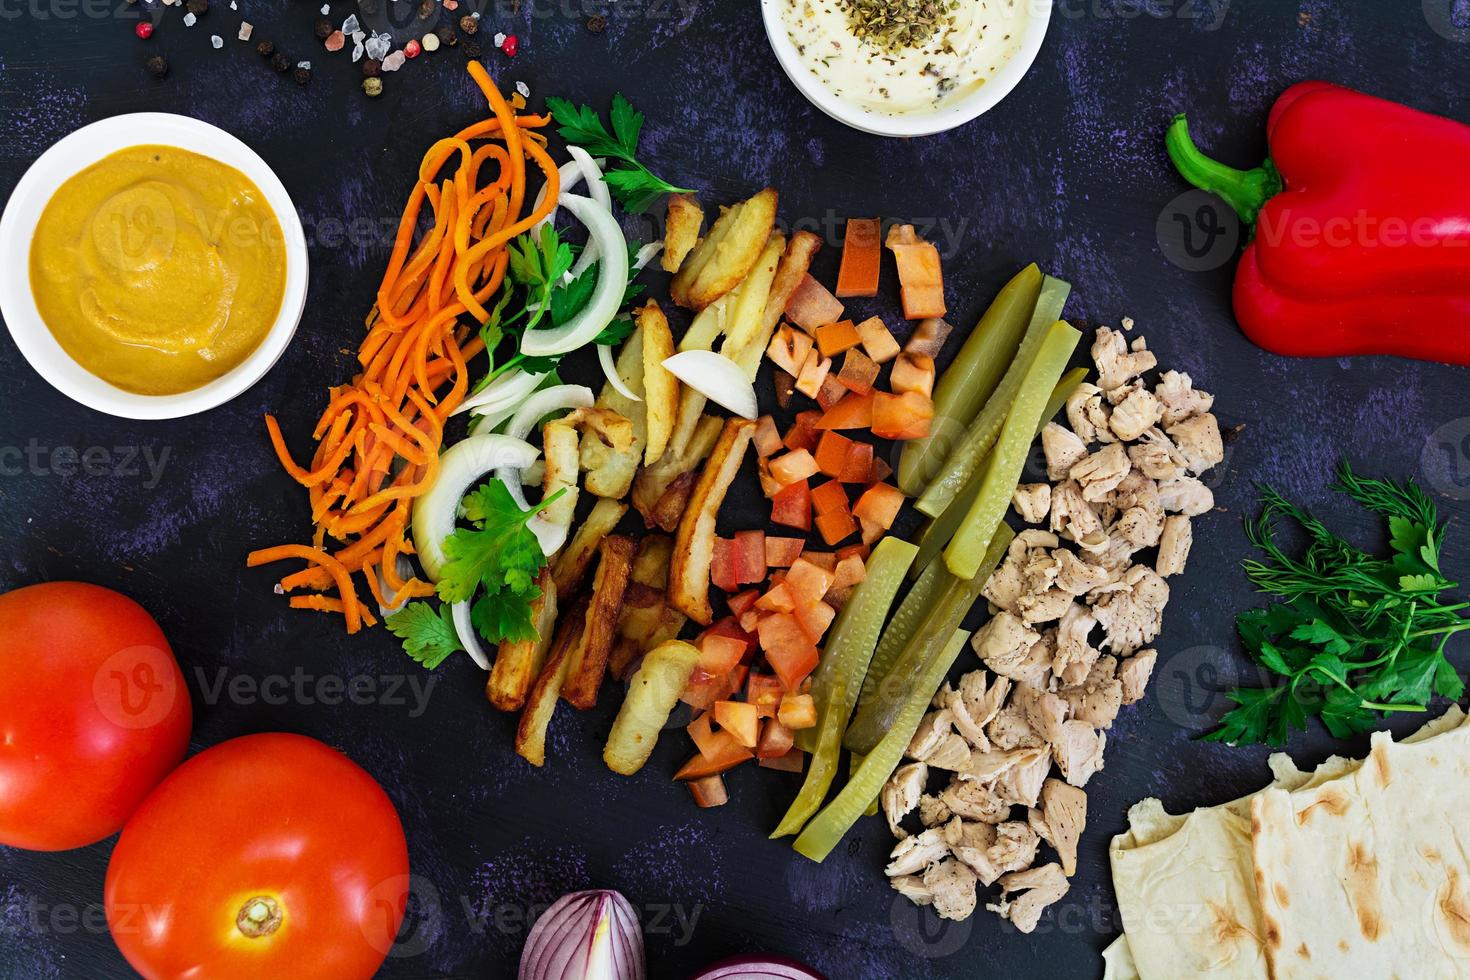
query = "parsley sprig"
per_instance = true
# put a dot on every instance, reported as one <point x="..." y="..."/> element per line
<point x="633" y="184"/>
<point x="1354" y="635"/>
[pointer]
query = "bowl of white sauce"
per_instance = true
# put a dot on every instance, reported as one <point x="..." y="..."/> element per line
<point x="905" y="67"/>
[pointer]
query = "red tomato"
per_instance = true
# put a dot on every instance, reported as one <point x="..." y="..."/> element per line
<point x="266" y="856"/>
<point x="93" y="713"/>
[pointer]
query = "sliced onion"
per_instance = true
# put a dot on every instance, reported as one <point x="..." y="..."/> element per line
<point x="462" y="466"/>
<point x="592" y="935"/>
<point x="549" y="534"/>
<point x="716" y="377"/>
<point x="758" y="968"/>
<point x="612" y="281"/>
<point x="647" y="254"/>
<point x="394" y="604"/>
<point x="460" y="613"/>
<point x="504" y="392"/>
<point x="610" y="370"/>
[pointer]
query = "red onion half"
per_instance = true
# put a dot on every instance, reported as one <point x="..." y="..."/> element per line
<point x="592" y="935"/>
<point x="758" y="968"/>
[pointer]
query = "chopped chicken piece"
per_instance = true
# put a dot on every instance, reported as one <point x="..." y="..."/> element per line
<point x="973" y="801"/>
<point x="1064" y="812"/>
<point x="983" y="702"/>
<point x="1100" y="472"/>
<point x="1039" y="888"/>
<point x="1133" y="614"/>
<point x="1074" y="655"/>
<point x="1085" y="414"/>
<point x="1180" y="400"/>
<point x="933" y="811"/>
<point x="931" y="733"/>
<point x="1077" y="577"/>
<point x="1174" y="544"/>
<point x="1117" y="396"/>
<point x="1062" y="448"/>
<point x="1004" y="643"/>
<point x="912" y="887"/>
<point x="1071" y="515"/>
<point x="1031" y="540"/>
<point x="1034" y="667"/>
<point x="986" y="767"/>
<point x="1116" y="366"/>
<point x="1043" y="711"/>
<point x="1008" y="729"/>
<point x="1040" y="570"/>
<point x="1134" y="674"/>
<point x="1139" y="411"/>
<point x="1156" y="455"/>
<point x="901" y="794"/>
<point x="1097" y="699"/>
<point x="1186" y="495"/>
<point x="1005" y="585"/>
<point x="964" y="722"/>
<point x="1015" y="846"/>
<point x="1032" y="501"/>
<point x="952" y="754"/>
<point x="1199" y="441"/>
<point x="953" y="886"/>
<point x="1142" y="513"/>
<point x="1079" y="754"/>
<point x="1037" y="822"/>
<point x="1021" y="784"/>
<point x="970" y="842"/>
<point x="1043" y="607"/>
<point x="916" y="852"/>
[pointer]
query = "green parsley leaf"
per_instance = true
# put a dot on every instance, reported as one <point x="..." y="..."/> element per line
<point x="633" y="184"/>
<point x="428" y="634"/>
<point x="504" y="617"/>
<point x="502" y="553"/>
<point x="616" y="332"/>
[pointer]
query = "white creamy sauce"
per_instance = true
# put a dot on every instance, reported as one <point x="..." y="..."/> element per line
<point x="976" y="38"/>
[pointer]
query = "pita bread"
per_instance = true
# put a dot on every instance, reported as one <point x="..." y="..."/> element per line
<point x="1186" y="884"/>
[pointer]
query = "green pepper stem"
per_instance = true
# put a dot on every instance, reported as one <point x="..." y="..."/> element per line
<point x="1244" y="190"/>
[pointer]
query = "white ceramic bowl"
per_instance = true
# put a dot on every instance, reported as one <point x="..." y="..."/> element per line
<point x="953" y="114"/>
<point x="80" y="150"/>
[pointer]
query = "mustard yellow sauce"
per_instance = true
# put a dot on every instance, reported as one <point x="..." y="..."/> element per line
<point x="157" y="269"/>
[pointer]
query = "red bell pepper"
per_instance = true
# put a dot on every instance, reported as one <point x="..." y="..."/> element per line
<point x="1360" y="225"/>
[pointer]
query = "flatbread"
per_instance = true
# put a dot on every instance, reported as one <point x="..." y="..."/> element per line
<point x="1368" y="875"/>
<point x="1186" y="884"/>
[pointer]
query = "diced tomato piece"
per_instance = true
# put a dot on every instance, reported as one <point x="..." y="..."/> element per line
<point x="834" y="338"/>
<point x="920" y="273"/>
<point x="703" y="735"/>
<point x="793" y="761"/>
<point x="776" y="740"/>
<point x="792" y="507"/>
<point x="912" y="372"/>
<point x="718" y="655"/>
<point x="766" y="439"/>
<point x="740" y="604"/>
<point x="804" y="434"/>
<point x="906" y="416"/>
<point x="765" y="692"/>
<point x="850" y="571"/>
<point x="813" y="373"/>
<point x="871" y="531"/>
<point x="797" y="711"/>
<point x="789" y="651"/>
<point x="725" y="754"/>
<point x="750" y="619"/>
<point x="781" y="552"/>
<point x="858" y="464"/>
<point x="778" y="599"/>
<point x="878" y="340"/>
<point x="722" y="570"/>
<point x="731" y="683"/>
<point x="928" y="337"/>
<point x="814" y="618"/>
<point x="880" y="471"/>
<point x="824" y="560"/>
<point x="808" y="581"/>
<point x="831" y="452"/>
<point x="793" y="467"/>
<point x="831" y="392"/>
<point x="729" y="626"/>
<point x="788" y="349"/>
<point x="880" y="504"/>
<point x="862" y="257"/>
<point x="830" y="496"/>
<point x="858" y="372"/>
<point x="740" y="720"/>
<point x="852" y="412"/>
<point x="702" y="690"/>
<point x="770" y="486"/>
<point x="750" y="557"/>
<point x="836" y="526"/>
<point x="847" y="551"/>
<point x="812" y="305"/>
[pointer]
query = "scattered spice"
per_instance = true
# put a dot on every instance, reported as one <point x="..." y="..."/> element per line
<point x="280" y="62"/>
<point x="372" y="68"/>
<point x="246" y="29"/>
<point x="373" y="86"/>
<point x="469" y="24"/>
<point x="302" y="75"/>
<point x="197" y="7"/>
<point x="265" y="49"/>
<point x="446" y="36"/>
<point x="412" y="49"/>
<point x="216" y="42"/>
<point x="426" y="9"/>
<point x="471" y="49"/>
<point x="144" y="29"/>
<point x="323" y="28"/>
<point x="335" y="41"/>
<point x="158" y="66"/>
<point x="510" y="46"/>
<point x="394" y="61"/>
<point x="431" y="42"/>
<point x="596" y="24"/>
<point x="896" y="24"/>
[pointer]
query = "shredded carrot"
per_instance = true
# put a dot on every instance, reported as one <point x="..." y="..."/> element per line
<point x="378" y="440"/>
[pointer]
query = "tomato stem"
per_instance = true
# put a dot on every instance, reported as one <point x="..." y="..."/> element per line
<point x="260" y="916"/>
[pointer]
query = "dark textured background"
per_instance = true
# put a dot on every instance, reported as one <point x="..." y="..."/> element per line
<point x="1068" y="172"/>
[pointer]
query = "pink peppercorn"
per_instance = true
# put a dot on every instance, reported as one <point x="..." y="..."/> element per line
<point x="144" y="29"/>
<point x="511" y="45"/>
<point x="412" y="49"/>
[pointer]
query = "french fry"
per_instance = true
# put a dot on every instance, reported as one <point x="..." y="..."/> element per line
<point x="588" y="662"/>
<point x="746" y="328"/>
<point x="610" y="471"/>
<point x="646" y="619"/>
<point x="559" y="444"/>
<point x="573" y="561"/>
<point x="681" y="232"/>
<point x="651" y="562"/>
<point x="653" y="481"/>
<point x="652" y="694"/>
<point x="803" y="246"/>
<point x="660" y="388"/>
<point x="670" y="507"/>
<point x="728" y="252"/>
<point x="541" y="705"/>
<point x="694" y="545"/>
<point x="518" y="663"/>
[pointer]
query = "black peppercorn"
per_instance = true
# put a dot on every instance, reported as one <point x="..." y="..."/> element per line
<point x="302" y="75"/>
<point x="197" y="7"/>
<point x="158" y="66"/>
<point x="426" y="9"/>
<point x="265" y="49"/>
<point x="596" y="24"/>
<point x="372" y="67"/>
<point x="447" y="37"/>
<point x="470" y="25"/>
<point x="323" y="29"/>
<point x="471" y="49"/>
<point x="280" y="62"/>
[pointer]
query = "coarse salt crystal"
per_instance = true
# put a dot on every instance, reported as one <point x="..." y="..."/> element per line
<point x="304" y="64"/>
<point x="246" y="29"/>
<point x="190" y="20"/>
<point x="234" y="5"/>
<point x="217" y="41"/>
<point x="326" y="9"/>
<point x="357" y="52"/>
<point x="350" y="26"/>
<point x="524" y="89"/>
<point x="378" y="46"/>
<point x="499" y="39"/>
<point x="394" y="61"/>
